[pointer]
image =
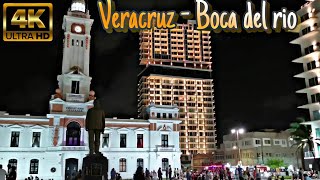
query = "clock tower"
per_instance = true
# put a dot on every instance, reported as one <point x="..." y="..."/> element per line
<point x="77" y="25"/>
<point x="73" y="95"/>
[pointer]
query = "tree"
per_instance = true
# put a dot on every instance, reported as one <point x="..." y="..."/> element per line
<point x="301" y="135"/>
<point x="275" y="163"/>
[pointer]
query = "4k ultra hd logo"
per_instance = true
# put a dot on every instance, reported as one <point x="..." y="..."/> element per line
<point x="27" y="22"/>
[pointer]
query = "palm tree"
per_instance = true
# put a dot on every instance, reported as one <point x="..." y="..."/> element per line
<point x="301" y="135"/>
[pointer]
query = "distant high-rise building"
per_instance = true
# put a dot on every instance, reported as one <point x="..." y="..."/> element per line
<point x="183" y="46"/>
<point x="309" y="41"/>
<point x="178" y="71"/>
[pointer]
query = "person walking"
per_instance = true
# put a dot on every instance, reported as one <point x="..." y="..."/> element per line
<point x="170" y="172"/>
<point x="159" y="174"/>
<point x="113" y="174"/>
<point x="147" y="172"/>
<point x="258" y="174"/>
<point x="229" y="174"/>
<point x="3" y="173"/>
<point x="79" y="175"/>
<point x="188" y="174"/>
<point x="12" y="174"/>
<point x="167" y="173"/>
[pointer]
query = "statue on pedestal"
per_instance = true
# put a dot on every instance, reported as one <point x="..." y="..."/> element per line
<point x="95" y="124"/>
<point x="95" y="165"/>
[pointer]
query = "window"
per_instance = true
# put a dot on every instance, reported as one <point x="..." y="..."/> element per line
<point x="123" y="140"/>
<point x="313" y="81"/>
<point x="315" y="98"/>
<point x="305" y="17"/>
<point x="81" y="43"/>
<point x="170" y="115"/>
<point x="267" y="141"/>
<point x="311" y="65"/>
<point x="165" y="164"/>
<point x="75" y="87"/>
<point x="164" y="140"/>
<point x="268" y="154"/>
<point x="140" y="141"/>
<point x="105" y="141"/>
<point x="316" y="115"/>
<point x="164" y="115"/>
<point x="140" y="162"/>
<point x="34" y="164"/>
<point x="77" y="42"/>
<point x="158" y="115"/>
<point x="284" y="142"/>
<point x="36" y="139"/>
<point x="306" y="30"/>
<point x="14" y="139"/>
<point x="258" y="141"/>
<point x="276" y="142"/>
<point x="72" y="42"/>
<point x="308" y="50"/>
<point x="122" y="165"/>
<point x="317" y="132"/>
<point x="258" y="154"/>
<point x="73" y="134"/>
<point x="13" y="162"/>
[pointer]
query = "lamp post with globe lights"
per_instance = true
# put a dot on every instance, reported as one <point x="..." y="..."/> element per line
<point x="237" y="132"/>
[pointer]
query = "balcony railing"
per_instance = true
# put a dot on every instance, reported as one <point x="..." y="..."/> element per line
<point x="169" y="148"/>
<point x="309" y="154"/>
<point x="70" y="97"/>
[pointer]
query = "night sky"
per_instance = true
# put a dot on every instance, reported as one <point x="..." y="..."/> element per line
<point x="253" y="73"/>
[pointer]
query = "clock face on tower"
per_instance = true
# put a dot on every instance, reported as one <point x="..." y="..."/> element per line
<point x="77" y="28"/>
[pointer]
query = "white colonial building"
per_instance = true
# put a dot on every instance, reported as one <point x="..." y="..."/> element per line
<point x="53" y="146"/>
<point x="38" y="147"/>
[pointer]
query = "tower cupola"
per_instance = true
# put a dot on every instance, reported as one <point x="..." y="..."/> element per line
<point x="78" y="6"/>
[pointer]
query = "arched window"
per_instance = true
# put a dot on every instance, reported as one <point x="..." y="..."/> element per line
<point x="34" y="166"/>
<point x="165" y="163"/>
<point x="13" y="162"/>
<point x="140" y="162"/>
<point x="122" y="165"/>
<point x="73" y="134"/>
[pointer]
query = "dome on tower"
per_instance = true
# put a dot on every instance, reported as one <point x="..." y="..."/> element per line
<point x="78" y="5"/>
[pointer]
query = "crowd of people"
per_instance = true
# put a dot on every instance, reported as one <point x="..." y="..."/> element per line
<point x="140" y="174"/>
<point x="176" y="174"/>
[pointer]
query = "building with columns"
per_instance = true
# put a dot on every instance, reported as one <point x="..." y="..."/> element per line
<point x="309" y="42"/>
<point x="53" y="146"/>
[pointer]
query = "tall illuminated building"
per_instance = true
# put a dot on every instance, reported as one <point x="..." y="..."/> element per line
<point x="178" y="71"/>
<point x="309" y="41"/>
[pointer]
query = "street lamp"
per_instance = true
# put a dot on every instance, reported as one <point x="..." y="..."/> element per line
<point x="237" y="132"/>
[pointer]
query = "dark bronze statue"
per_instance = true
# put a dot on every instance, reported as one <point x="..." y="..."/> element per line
<point x="95" y="124"/>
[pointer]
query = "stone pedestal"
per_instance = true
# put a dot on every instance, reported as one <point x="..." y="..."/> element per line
<point x="95" y="167"/>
